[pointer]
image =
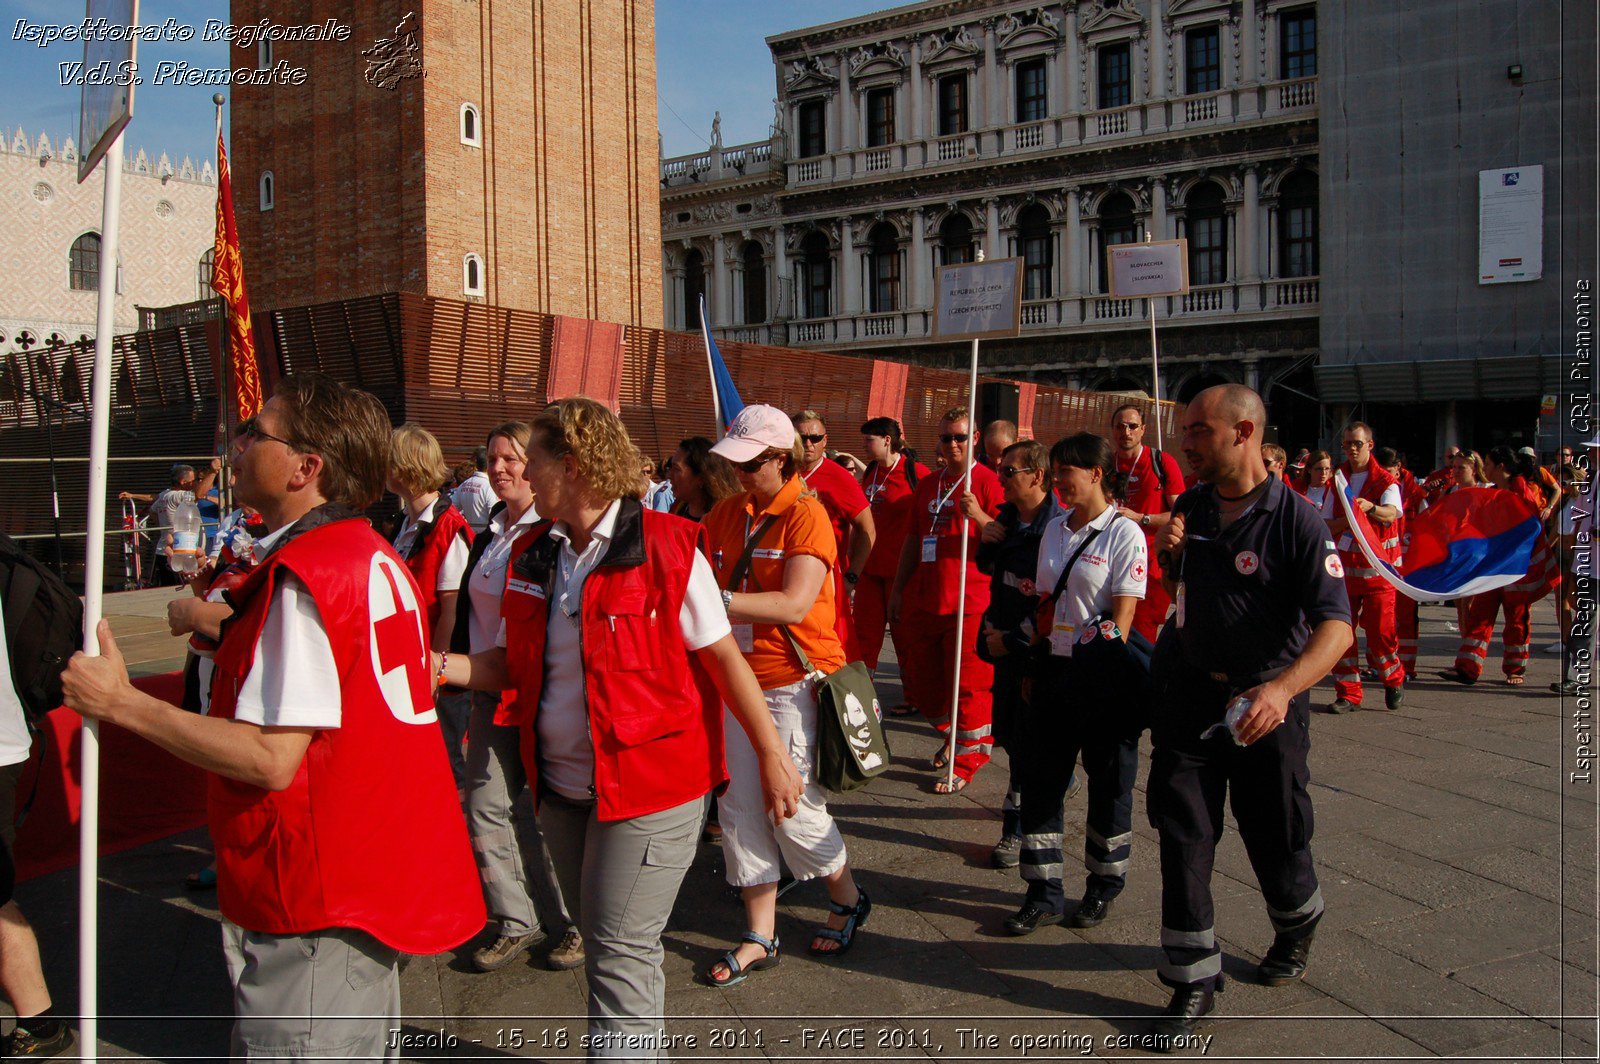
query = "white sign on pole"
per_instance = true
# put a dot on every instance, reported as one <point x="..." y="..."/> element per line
<point x="1510" y="225"/>
<point x="106" y="103"/>
<point x="1155" y="268"/>
<point x="978" y="300"/>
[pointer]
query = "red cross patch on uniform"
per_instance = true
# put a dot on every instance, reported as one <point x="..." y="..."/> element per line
<point x="1246" y="562"/>
<point x="1334" y="566"/>
<point x="399" y="650"/>
<point x="1138" y="570"/>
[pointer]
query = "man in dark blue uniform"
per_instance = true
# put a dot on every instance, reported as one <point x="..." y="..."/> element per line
<point x="1261" y="614"/>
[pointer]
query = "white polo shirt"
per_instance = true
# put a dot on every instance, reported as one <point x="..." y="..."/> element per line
<point x="1115" y="564"/>
<point x="487" y="583"/>
<point x="454" y="566"/>
<point x="474" y="497"/>
<point x="293" y="681"/>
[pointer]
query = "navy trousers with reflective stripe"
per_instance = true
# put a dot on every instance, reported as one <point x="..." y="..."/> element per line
<point x="1189" y="779"/>
<point x="1058" y="732"/>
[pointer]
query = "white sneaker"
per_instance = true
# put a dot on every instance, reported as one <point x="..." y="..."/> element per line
<point x="1555" y="648"/>
<point x="1452" y="626"/>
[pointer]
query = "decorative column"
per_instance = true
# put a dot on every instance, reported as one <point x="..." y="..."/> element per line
<point x="918" y="267"/>
<point x="917" y="130"/>
<point x="992" y="248"/>
<point x="1158" y="209"/>
<point x="993" y="114"/>
<point x="1252" y="375"/>
<point x="1155" y="114"/>
<point x="721" y="303"/>
<point x="1073" y="251"/>
<point x="847" y="105"/>
<point x="780" y="275"/>
<point x="1071" y="61"/>
<point x="850" y="302"/>
<point x="1250" y="225"/>
<point x="1250" y="72"/>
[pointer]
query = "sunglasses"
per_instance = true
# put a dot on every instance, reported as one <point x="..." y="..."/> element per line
<point x="809" y="438"/>
<point x="1007" y="472"/>
<point x="954" y="437"/>
<point x="755" y="464"/>
<point x="252" y="431"/>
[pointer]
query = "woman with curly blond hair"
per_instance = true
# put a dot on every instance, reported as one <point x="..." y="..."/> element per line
<point x="615" y="637"/>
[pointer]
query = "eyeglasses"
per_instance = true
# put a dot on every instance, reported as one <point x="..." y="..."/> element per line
<point x="755" y="464"/>
<point x="810" y="438"/>
<point x="251" y="430"/>
<point x="1356" y="445"/>
<point x="954" y="437"/>
<point x="1007" y="472"/>
<point x="1127" y="426"/>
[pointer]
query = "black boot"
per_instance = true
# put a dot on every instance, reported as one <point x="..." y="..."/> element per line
<point x="1286" y="960"/>
<point x="1189" y="1005"/>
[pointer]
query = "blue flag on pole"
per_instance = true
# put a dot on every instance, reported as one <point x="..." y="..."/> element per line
<point x="723" y="391"/>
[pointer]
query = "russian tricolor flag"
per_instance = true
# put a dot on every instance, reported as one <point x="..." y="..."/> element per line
<point x="1472" y="540"/>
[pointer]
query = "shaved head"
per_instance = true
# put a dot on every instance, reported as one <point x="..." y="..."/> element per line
<point x="1237" y="403"/>
<point x="1222" y="434"/>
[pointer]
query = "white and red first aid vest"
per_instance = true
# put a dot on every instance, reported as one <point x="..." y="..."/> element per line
<point x="1358" y="572"/>
<point x="370" y="834"/>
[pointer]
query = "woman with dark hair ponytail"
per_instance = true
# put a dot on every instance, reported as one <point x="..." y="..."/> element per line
<point x="1508" y="471"/>
<point x="1093" y="566"/>
<point x="891" y="473"/>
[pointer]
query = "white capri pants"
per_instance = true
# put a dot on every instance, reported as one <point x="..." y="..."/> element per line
<point x="808" y="842"/>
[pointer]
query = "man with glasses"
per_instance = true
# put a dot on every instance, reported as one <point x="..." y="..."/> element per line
<point x="926" y="600"/>
<point x="848" y="510"/>
<point x="340" y="841"/>
<point x="1372" y="608"/>
<point x="1010" y="555"/>
<point x="1154" y="482"/>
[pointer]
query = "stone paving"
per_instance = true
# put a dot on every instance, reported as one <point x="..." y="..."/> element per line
<point x="1457" y="861"/>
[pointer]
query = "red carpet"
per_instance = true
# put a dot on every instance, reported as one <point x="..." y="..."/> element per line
<point x="145" y="793"/>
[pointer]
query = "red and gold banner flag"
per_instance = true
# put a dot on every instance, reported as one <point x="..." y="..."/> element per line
<point x="227" y="278"/>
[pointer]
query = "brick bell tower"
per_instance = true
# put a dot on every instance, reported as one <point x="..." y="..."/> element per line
<point x="497" y="151"/>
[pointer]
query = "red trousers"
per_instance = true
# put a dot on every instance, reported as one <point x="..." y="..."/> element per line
<point x="842" y="622"/>
<point x="1479" y="626"/>
<point x="1371" y="611"/>
<point x="869" y="616"/>
<point x="1405" y="629"/>
<point x="1151" y="612"/>
<point x="927" y="669"/>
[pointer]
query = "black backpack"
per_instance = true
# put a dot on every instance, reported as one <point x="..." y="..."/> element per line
<point x="44" y="627"/>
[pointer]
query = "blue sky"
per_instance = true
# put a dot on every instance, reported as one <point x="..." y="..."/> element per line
<point x="710" y="56"/>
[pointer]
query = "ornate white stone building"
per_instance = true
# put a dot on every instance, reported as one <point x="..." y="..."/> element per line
<point x="50" y="247"/>
<point x="909" y="138"/>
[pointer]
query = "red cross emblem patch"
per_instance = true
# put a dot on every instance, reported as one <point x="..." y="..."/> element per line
<point x="1138" y="570"/>
<point x="1246" y="562"/>
<point x="399" y="654"/>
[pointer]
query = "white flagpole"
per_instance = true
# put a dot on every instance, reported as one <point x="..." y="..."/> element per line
<point x="716" y="406"/>
<point x="1155" y="364"/>
<point x="93" y="580"/>
<point x="974" y="441"/>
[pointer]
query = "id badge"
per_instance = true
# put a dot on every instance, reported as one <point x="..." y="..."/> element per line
<point x="1062" y="636"/>
<point x="745" y="636"/>
<point x="930" y="548"/>
<point x="1181" y="596"/>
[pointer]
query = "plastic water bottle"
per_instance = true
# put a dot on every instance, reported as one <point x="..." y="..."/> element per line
<point x="186" y="537"/>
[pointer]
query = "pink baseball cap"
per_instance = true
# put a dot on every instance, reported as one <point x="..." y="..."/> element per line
<point x="757" y="428"/>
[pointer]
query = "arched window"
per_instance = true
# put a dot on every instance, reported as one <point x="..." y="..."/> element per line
<point x="1116" y="227"/>
<point x="83" y="263"/>
<point x="816" y="276"/>
<point x="755" y="283"/>
<point x="472" y="275"/>
<point x="955" y="240"/>
<point x="268" y="190"/>
<point x="1298" y="225"/>
<point x="206" y="270"/>
<point x="471" y="131"/>
<point x="884" y="251"/>
<point x="1038" y="257"/>
<point x="694" y="288"/>
<point x="1208" y="235"/>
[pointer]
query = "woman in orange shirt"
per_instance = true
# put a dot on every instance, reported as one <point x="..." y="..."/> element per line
<point x="783" y="584"/>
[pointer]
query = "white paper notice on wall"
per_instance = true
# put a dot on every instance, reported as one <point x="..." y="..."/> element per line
<point x="979" y="300"/>
<point x="1157" y="268"/>
<point x="1510" y="225"/>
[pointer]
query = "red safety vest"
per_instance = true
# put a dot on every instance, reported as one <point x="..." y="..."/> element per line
<point x="655" y="719"/>
<point x="1356" y="568"/>
<point x="369" y="834"/>
<point x="933" y="585"/>
<point x="429" y="549"/>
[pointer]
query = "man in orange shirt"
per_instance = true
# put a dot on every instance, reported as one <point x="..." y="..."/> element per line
<point x="926" y="599"/>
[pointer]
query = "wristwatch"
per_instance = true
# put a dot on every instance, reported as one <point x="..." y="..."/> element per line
<point x="1144" y="520"/>
<point x="727" y="600"/>
<point x="850" y="578"/>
